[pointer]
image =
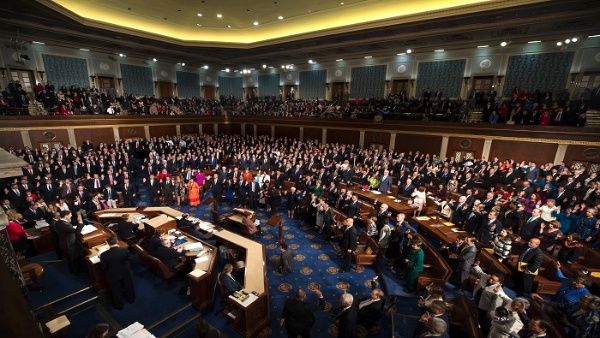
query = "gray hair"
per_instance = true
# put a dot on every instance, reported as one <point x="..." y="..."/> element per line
<point x="346" y="300"/>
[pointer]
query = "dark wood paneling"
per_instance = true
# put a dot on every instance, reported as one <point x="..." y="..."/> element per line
<point x="373" y="137"/>
<point x="523" y="151"/>
<point x="474" y="145"/>
<point x="313" y="134"/>
<point x="95" y="135"/>
<point x="582" y="153"/>
<point x="423" y="143"/>
<point x="343" y="136"/>
<point x="10" y="139"/>
<point x="159" y="131"/>
<point x="37" y="137"/>
<point x="189" y="129"/>
<point x="249" y="129"/>
<point x="263" y="129"/>
<point x="131" y="132"/>
<point x="281" y="131"/>
<point x="208" y="128"/>
<point x="230" y="128"/>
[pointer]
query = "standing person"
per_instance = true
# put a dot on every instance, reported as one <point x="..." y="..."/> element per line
<point x="348" y="244"/>
<point x="466" y="258"/>
<point x="415" y="262"/>
<point x="347" y="317"/>
<point x="68" y="241"/>
<point x="528" y="265"/>
<point x="193" y="193"/>
<point x="179" y="190"/>
<point x="115" y="262"/>
<point x="297" y="316"/>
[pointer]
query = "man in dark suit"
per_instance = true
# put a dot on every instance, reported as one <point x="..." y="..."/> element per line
<point x="115" y="262"/>
<point x="128" y="191"/>
<point x="16" y="197"/>
<point x="528" y="265"/>
<point x="171" y="257"/>
<point x="386" y="182"/>
<point x="48" y="191"/>
<point x="297" y="316"/>
<point x="348" y="244"/>
<point x="346" y="318"/>
<point x="407" y="189"/>
<point x="489" y="228"/>
<point x="32" y="214"/>
<point x="67" y="240"/>
<point x="227" y="281"/>
<point x="353" y="209"/>
<point x="370" y="309"/>
<point x="153" y="187"/>
<point x="532" y="227"/>
<point x="465" y="260"/>
<point x="124" y="229"/>
<point x="286" y="259"/>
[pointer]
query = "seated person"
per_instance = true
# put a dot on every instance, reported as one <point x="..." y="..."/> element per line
<point x="193" y="228"/>
<point x="170" y="256"/>
<point x="249" y="227"/>
<point x="32" y="214"/>
<point x="370" y="309"/>
<point x="124" y="229"/>
<point x="154" y="242"/>
<point x="227" y="281"/>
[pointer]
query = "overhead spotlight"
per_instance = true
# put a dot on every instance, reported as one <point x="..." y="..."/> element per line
<point x="341" y="3"/>
<point x="219" y="15"/>
<point x="183" y="64"/>
<point x="559" y="43"/>
<point x="483" y="46"/>
<point x="282" y="66"/>
<point x="264" y="66"/>
<point x="255" y="23"/>
<point x="311" y="61"/>
<point x="280" y="17"/>
<point x="199" y="14"/>
<point x="503" y="43"/>
<point x="122" y="55"/>
<point x="568" y="41"/>
<point x="400" y="54"/>
<point x="408" y="51"/>
<point x="205" y="67"/>
<point x="439" y="50"/>
<point x="84" y="49"/>
<point x="228" y="26"/>
<point x="535" y="41"/>
<point x="227" y="70"/>
<point x="38" y="42"/>
<point x="368" y="57"/>
<point x="199" y="25"/>
<point x="574" y="39"/>
<point x="339" y="60"/>
<point x="154" y="59"/>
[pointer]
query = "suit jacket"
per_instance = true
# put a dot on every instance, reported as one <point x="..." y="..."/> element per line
<point x="128" y="192"/>
<point x="115" y="261"/>
<point x="347" y="322"/>
<point x="229" y="284"/>
<point x="111" y="196"/>
<point x="298" y="316"/>
<point x="287" y="260"/>
<point x="386" y="184"/>
<point x="466" y="257"/>
<point x="67" y="239"/>
<point x="488" y="230"/>
<point x="349" y="240"/>
<point x="125" y="229"/>
<point x="406" y="191"/>
<point x="531" y="228"/>
<point x="353" y="210"/>
<point x="168" y="256"/>
<point x="372" y="312"/>
<point x="533" y="258"/>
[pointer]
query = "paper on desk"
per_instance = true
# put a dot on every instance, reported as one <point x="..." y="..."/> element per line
<point x="457" y="230"/>
<point x="197" y="273"/>
<point x="88" y="229"/>
<point x="129" y="331"/>
<point x="102" y="248"/>
<point x="422" y="218"/>
<point x="376" y="192"/>
<point x="193" y="246"/>
<point x="57" y="324"/>
<point x="94" y="259"/>
<point x="41" y="224"/>
<point x="448" y="224"/>
<point x="201" y="259"/>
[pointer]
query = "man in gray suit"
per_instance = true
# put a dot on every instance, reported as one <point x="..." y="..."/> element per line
<point x="386" y="182"/>
<point x="286" y="259"/>
<point x="465" y="260"/>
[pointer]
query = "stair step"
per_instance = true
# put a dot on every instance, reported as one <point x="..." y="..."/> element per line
<point x="174" y="321"/>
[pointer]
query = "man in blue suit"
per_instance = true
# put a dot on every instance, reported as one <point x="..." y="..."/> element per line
<point x="227" y="281"/>
<point x="386" y="182"/>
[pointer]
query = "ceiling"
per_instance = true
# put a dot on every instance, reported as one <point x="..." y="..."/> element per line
<point x="241" y="22"/>
<point x="29" y="19"/>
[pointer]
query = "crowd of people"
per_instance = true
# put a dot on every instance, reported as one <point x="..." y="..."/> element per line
<point x="553" y="208"/>
<point x="523" y="107"/>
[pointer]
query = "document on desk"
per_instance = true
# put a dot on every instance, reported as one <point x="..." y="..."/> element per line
<point x="57" y="324"/>
<point x="41" y="224"/>
<point x="95" y="259"/>
<point x="197" y="273"/>
<point x="206" y="226"/>
<point x="135" y="330"/>
<point x="88" y="229"/>
<point x="375" y="192"/>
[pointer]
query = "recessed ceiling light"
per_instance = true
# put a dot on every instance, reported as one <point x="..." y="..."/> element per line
<point x="255" y="23"/>
<point x="183" y="64"/>
<point x="84" y="49"/>
<point x="400" y="54"/>
<point x="574" y="39"/>
<point x="535" y="41"/>
<point x="228" y="26"/>
<point x="311" y="61"/>
<point x="408" y="51"/>
<point x="339" y="60"/>
<point x="38" y="42"/>
<point x="199" y="14"/>
<point x="341" y="3"/>
<point x="594" y="36"/>
<point x="282" y="66"/>
<point x="205" y="67"/>
<point x="264" y="66"/>
<point x="227" y="70"/>
<point x="559" y="43"/>
<point x="280" y="17"/>
<point x="368" y="57"/>
<point x="219" y="15"/>
<point x="122" y="55"/>
<point x="503" y="43"/>
<point x="439" y="50"/>
<point x="483" y="46"/>
<point x="154" y="59"/>
<point x="199" y="25"/>
<point x="568" y="41"/>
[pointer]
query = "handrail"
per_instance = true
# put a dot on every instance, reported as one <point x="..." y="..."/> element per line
<point x="171" y="315"/>
<point x="171" y="332"/>
<point x="61" y="299"/>
<point x="77" y="305"/>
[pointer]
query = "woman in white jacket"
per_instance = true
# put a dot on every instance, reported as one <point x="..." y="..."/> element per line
<point x="505" y="324"/>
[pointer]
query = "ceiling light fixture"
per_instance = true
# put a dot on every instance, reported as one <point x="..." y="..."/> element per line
<point x="205" y="67"/>
<point x="255" y="23"/>
<point x="339" y="60"/>
<point x="154" y="59"/>
<point x="311" y="61"/>
<point x="574" y="39"/>
<point x="594" y="36"/>
<point x="400" y="54"/>
<point x="535" y="41"/>
<point x="368" y="57"/>
<point x="219" y="15"/>
<point x="341" y="3"/>
<point x="439" y="50"/>
<point x="227" y="70"/>
<point x="199" y="25"/>
<point x="408" y="51"/>
<point x="503" y="43"/>
<point x="199" y="14"/>
<point x="84" y="49"/>
<point x="228" y="26"/>
<point x="280" y="17"/>
<point x="483" y="46"/>
<point x="38" y="42"/>
<point x="183" y="64"/>
<point x="122" y="55"/>
<point x="559" y="43"/>
<point x="264" y="66"/>
<point x="568" y="41"/>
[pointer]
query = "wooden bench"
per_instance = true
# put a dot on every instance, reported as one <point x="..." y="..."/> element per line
<point x="156" y="265"/>
<point x="367" y="250"/>
<point x="463" y="319"/>
<point x="436" y="268"/>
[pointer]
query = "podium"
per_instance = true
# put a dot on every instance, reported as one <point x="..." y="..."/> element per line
<point x="162" y="222"/>
<point x="277" y="221"/>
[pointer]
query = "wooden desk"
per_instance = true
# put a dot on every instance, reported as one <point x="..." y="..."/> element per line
<point x="394" y="204"/>
<point x="439" y="228"/>
<point x="255" y="316"/>
<point x="162" y="222"/>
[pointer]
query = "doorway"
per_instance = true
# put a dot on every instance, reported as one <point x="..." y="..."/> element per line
<point x="338" y="91"/>
<point x="289" y="92"/>
<point x="106" y="84"/>
<point x="165" y="89"/>
<point x="25" y="78"/>
<point x="209" y="92"/>
<point x="399" y="86"/>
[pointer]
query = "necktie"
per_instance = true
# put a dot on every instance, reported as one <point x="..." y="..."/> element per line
<point x="49" y="187"/>
<point x="96" y="184"/>
<point x="17" y="192"/>
<point x="68" y="189"/>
